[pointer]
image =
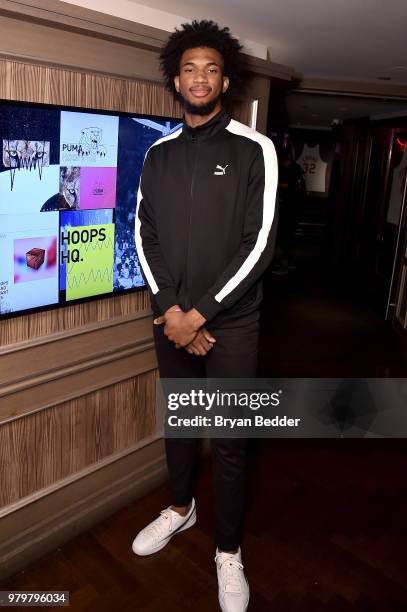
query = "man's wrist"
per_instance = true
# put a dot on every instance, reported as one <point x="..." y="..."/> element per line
<point x="196" y="319"/>
<point x="175" y="308"/>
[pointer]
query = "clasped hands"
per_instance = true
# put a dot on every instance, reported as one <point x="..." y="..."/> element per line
<point x="186" y="330"/>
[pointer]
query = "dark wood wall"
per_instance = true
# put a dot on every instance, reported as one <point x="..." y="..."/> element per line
<point x="364" y="241"/>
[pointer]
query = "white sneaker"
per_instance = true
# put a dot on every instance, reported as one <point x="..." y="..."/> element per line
<point x="157" y="534"/>
<point x="233" y="585"/>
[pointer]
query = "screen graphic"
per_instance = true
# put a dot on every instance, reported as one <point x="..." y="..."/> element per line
<point x="68" y="185"/>
<point x="29" y="263"/>
<point x="86" y="253"/>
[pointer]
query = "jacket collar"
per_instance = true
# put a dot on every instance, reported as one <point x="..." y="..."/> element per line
<point x="208" y="129"/>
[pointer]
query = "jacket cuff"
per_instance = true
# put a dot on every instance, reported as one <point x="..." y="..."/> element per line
<point x="165" y="298"/>
<point x="208" y="306"/>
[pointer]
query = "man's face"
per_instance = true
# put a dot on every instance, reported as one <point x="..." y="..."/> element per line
<point x="200" y="81"/>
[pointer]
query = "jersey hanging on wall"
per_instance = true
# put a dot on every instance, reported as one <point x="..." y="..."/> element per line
<point x="315" y="169"/>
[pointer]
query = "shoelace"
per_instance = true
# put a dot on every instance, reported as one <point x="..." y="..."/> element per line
<point x="157" y="526"/>
<point x="229" y="567"/>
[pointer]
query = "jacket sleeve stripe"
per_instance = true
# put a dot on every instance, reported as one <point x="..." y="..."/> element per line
<point x="139" y="246"/>
<point x="139" y="243"/>
<point x="269" y="200"/>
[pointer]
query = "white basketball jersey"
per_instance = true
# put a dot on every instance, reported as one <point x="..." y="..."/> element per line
<point x="314" y="168"/>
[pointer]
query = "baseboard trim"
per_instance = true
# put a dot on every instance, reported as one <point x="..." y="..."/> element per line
<point x="46" y="523"/>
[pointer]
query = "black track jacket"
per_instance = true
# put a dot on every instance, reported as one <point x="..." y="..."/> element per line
<point x="204" y="223"/>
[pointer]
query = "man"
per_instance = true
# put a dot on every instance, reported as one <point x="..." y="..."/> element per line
<point x="205" y="210"/>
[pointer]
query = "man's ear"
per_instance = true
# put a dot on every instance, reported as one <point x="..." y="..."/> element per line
<point x="225" y="84"/>
<point x="176" y="82"/>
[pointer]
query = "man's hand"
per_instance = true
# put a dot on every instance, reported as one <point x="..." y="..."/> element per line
<point x="180" y="327"/>
<point x="160" y="320"/>
<point x="201" y="344"/>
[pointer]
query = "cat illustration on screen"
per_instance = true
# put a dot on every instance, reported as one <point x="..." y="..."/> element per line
<point x="70" y="186"/>
<point x="69" y="191"/>
<point x="25" y="155"/>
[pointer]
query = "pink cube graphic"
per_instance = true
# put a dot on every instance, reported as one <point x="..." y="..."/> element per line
<point x="98" y="188"/>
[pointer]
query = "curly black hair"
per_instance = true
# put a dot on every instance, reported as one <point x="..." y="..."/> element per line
<point x="202" y="34"/>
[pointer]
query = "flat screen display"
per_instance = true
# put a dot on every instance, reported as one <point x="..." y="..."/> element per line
<point x="68" y="185"/>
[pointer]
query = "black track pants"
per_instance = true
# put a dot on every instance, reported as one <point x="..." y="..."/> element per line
<point x="234" y="355"/>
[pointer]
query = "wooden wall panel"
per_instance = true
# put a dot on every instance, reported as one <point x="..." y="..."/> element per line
<point x="32" y="41"/>
<point x="39" y="450"/>
<point x="39" y="324"/>
<point x="40" y="523"/>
